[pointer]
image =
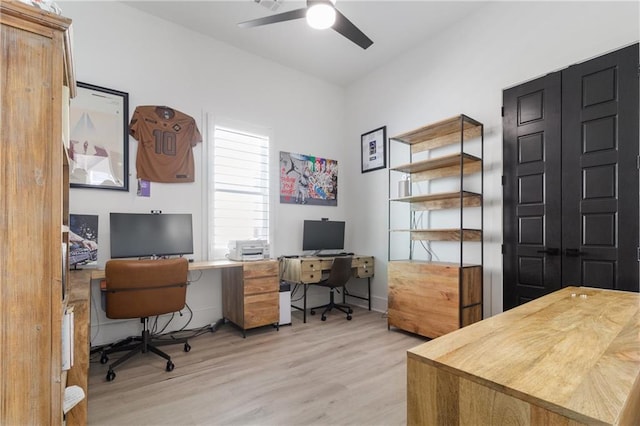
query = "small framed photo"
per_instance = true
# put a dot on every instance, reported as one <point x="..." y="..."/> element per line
<point x="98" y="143"/>
<point x="374" y="149"/>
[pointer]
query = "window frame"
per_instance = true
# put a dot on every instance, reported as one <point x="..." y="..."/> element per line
<point x="209" y="190"/>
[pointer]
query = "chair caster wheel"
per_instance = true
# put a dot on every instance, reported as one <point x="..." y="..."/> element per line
<point x="111" y="375"/>
<point x="170" y="366"/>
<point x="187" y="347"/>
<point x="349" y="317"/>
<point x="104" y="358"/>
<point x="312" y="312"/>
<point x="323" y="318"/>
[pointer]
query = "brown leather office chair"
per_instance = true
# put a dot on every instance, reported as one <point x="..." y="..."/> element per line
<point x="141" y="289"/>
<point x="338" y="276"/>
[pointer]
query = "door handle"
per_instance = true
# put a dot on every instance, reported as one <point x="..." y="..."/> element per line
<point x="572" y="252"/>
<point x="550" y="251"/>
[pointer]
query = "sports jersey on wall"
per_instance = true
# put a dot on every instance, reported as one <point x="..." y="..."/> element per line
<point x="165" y="140"/>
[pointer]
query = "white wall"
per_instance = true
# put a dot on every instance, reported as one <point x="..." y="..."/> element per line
<point x="464" y="70"/>
<point x="158" y="63"/>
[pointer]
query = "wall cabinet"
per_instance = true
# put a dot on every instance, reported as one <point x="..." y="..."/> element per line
<point x="250" y="296"/>
<point x="429" y="296"/>
<point x="36" y="65"/>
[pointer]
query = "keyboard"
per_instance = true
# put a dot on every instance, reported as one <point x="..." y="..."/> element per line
<point x="333" y="255"/>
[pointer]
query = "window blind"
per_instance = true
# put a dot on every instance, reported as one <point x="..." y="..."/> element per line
<point x="239" y="183"/>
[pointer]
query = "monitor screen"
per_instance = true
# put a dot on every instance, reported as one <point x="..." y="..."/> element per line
<point x="322" y="235"/>
<point x="146" y="235"/>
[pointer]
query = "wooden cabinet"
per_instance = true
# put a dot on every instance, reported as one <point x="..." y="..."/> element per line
<point x="434" y="298"/>
<point x="434" y="289"/>
<point x="36" y="64"/>
<point x="250" y="294"/>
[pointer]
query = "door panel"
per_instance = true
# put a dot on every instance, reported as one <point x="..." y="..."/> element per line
<point x="571" y="179"/>
<point x="599" y="170"/>
<point x="531" y="193"/>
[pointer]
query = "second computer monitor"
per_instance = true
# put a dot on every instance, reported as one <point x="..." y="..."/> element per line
<point x="321" y="235"/>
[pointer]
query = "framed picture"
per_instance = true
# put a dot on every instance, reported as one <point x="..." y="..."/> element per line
<point x="308" y="179"/>
<point x="374" y="149"/>
<point x="98" y="142"/>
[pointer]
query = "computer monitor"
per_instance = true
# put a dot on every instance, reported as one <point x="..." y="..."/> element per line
<point x="321" y="235"/>
<point x="150" y="235"/>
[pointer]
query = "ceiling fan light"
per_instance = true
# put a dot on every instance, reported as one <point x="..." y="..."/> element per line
<point x="321" y="16"/>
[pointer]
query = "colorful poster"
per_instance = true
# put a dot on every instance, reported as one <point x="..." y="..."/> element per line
<point x="305" y="179"/>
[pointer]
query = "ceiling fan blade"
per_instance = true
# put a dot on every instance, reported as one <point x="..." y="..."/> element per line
<point x="272" y="19"/>
<point x="350" y="31"/>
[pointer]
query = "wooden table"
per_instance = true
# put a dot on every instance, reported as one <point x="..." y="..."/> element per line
<point x="571" y="357"/>
<point x="306" y="270"/>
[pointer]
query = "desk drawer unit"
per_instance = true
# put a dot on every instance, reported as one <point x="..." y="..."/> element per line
<point x="311" y="270"/>
<point x="250" y="294"/>
<point x="362" y="266"/>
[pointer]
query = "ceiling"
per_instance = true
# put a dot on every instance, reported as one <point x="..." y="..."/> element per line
<point x="394" y="26"/>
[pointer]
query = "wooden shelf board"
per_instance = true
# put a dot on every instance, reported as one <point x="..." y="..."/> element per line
<point x="452" y="234"/>
<point x="437" y="163"/>
<point x="446" y="196"/>
<point x="438" y="263"/>
<point x="439" y="129"/>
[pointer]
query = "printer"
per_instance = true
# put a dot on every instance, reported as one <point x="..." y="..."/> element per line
<point x="247" y="250"/>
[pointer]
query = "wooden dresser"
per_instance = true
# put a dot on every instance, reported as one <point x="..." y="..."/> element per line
<point x="569" y="358"/>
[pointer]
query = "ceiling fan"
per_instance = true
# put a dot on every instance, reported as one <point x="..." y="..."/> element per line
<point x="320" y="14"/>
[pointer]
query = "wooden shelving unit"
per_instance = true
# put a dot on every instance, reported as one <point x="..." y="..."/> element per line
<point x="37" y="82"/>
<point x="427" y="297"/>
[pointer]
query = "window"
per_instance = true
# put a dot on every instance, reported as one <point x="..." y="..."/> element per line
<point x="238" y="189"/>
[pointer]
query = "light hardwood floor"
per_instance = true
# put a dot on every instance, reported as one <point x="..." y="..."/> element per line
<point x="336" y="372"/>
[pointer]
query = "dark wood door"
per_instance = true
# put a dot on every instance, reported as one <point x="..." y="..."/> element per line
<point x="532" y="194"/>
<point x="600" y="172"/>
<point x="571" y="179"/>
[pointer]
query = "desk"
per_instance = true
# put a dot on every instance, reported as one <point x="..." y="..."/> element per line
<point x="308" y="270"/>
<point x="249" y="291"/>
<point x="570" y="357"/>
<point x="98" y="274"/>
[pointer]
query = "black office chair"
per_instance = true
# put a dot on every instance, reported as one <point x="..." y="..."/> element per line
<point x="141" y="289"/>
<point x="338" y="276"/>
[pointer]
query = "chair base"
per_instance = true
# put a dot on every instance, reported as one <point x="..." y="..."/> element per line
<point x="140" y="344"/>
<point x="331" y="305"/>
